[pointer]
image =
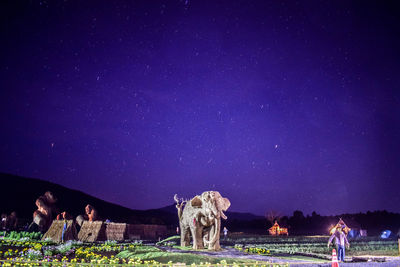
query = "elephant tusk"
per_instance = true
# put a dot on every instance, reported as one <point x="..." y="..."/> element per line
<point x="223" y="215"/>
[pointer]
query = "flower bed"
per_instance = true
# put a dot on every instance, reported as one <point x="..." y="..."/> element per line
<point x="26" y="252"/>
<point x="46" y="252"/>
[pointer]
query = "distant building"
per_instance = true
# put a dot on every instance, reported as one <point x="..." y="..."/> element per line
<point x="277" y="230"/>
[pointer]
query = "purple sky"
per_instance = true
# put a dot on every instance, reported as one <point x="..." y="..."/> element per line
<point x="279" y="105"/>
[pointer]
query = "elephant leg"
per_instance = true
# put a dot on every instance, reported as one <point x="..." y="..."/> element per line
<point x="185" y="236"/>
<point x="194" y="236"/>
<point x="199" y="237"/>
<point x="193" y="233"/>
<point x="216" y="245"/>
<point x="206" y="235"/>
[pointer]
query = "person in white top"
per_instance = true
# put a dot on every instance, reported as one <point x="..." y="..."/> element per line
<point x="225" y="232"/>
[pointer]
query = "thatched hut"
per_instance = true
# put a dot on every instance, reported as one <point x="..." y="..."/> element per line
<point x="61" y="231"/>
<point x="117" y="231"/>
<point x="92" y="231"/>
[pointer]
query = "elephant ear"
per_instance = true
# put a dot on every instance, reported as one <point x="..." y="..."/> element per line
<point x="196" y="202"/>
<point x="227" y="203"/>
<point x="222" y="203"/>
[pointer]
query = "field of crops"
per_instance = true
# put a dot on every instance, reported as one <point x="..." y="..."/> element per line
<point x="312" y="245"/>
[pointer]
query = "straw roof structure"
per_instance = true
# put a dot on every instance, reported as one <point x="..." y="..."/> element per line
<point x="116" y="231"/>
<point x="55" y="231"/>
<point x="92" y="231"/>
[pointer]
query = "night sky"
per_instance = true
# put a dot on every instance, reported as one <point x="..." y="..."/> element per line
<point x="278" y="105"/>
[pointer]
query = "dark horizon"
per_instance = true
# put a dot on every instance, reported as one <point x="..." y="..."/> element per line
<point x="63" y="200"/>
<point x="278" y="105"/>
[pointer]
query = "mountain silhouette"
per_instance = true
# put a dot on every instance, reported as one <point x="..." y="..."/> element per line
<point x="20" y="193"/>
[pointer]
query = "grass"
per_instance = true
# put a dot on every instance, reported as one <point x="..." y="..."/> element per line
<point x="143" y="249"/>
<point x="187" y="258"/>
<point x="188" y="248"/>
<point x="170" y="241"/>
<point x="301" y="258"/>
<point x="152" y="253"/>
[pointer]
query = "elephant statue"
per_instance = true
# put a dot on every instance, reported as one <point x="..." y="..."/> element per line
<point x="200" y="217"/>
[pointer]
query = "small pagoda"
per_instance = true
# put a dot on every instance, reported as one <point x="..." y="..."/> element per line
<point x="277" y="230"/>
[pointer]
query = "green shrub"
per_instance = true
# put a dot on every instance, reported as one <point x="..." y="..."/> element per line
<point x="170" y="241"/>
<point x="22" y="235"/>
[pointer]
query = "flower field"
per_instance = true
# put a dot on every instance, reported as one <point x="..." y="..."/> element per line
<point x="26" y="251"/>
<point x="44" y="253"/>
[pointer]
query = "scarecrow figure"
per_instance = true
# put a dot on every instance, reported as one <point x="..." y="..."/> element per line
<point x="340" y="241"/>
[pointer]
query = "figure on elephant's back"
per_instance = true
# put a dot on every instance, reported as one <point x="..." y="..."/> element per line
<point x="90" y="215"/>
<point x="46" y="210"/>
<point x="200" y="217"/>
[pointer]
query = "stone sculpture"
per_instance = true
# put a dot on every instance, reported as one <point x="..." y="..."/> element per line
<point x="12" y="221"/>
<point x="43" y="216"/>
<point x="9" y="222"/>
<point x="200" y="217"/>
<point x="3" y="222"/>
<point x="64" y="216"/>
<point x="90" y="215"/>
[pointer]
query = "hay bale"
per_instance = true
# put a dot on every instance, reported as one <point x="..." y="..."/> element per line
<point x="116" y="231"/>
<point x="55" y="231"/>
<point x="92" y="231"/>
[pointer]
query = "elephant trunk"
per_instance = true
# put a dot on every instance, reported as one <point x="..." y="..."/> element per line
<point x="215" y="237"/>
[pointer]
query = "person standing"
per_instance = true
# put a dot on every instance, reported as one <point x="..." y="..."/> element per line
<point x="225" y="232"/>
<point x="341" y="241"/>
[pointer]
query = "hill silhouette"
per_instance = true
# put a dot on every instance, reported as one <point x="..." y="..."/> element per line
<point x="20" y="193"/>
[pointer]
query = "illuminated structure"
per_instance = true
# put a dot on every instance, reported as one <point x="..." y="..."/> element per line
<point x="277" y="230"/>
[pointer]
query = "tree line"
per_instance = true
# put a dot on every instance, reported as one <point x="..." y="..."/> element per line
<point x="299" y="224"/>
